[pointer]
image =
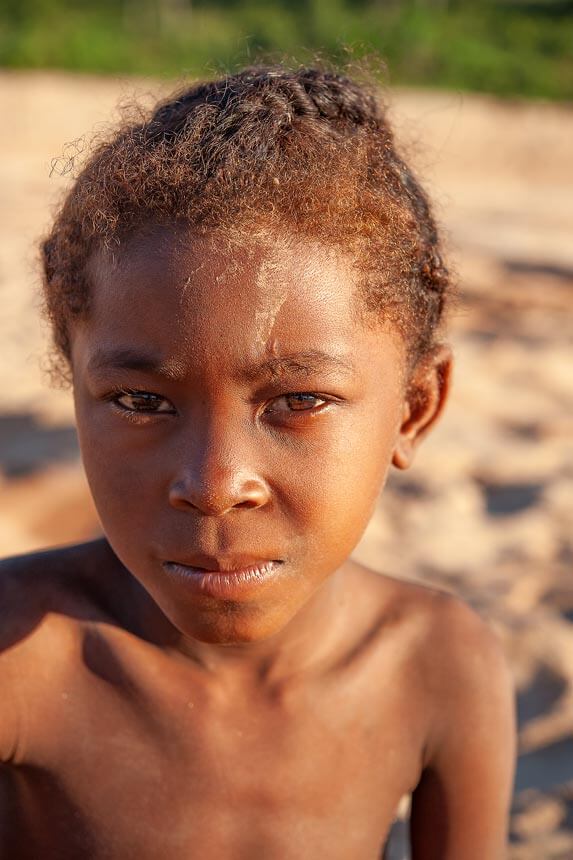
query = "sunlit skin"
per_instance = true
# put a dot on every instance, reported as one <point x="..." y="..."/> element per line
<point x="271" y="435"/>
<point x="215" y="678"/>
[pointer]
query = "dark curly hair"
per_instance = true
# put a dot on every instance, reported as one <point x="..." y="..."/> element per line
<point x="306" y="151"/>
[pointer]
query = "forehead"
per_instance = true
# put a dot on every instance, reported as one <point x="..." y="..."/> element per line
<point x="217" y="264"/>
<point x="191" y="273"/>
<point x="222" y="297"/>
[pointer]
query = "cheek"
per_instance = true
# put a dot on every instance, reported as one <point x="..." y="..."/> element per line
<point x="334" y="486"/>
<point x="124" y="479"/>
<point x="325" y="481"/>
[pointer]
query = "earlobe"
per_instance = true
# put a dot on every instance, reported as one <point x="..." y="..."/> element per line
<point x="403" y="453"/>
<point x="425" y="402"/>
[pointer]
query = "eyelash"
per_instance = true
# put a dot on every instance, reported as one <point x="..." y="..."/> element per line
<point x="138" y="415"/>
<point x="300" y="394"/>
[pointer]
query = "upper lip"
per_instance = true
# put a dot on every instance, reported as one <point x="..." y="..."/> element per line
<point x="222" y="564"/>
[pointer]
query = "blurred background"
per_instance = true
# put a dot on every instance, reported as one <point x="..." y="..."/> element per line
<point x="509" y="47"/>
<point x="481" y="96"/>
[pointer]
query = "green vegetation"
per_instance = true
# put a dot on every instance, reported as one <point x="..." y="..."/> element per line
<point x="509" y="48"/>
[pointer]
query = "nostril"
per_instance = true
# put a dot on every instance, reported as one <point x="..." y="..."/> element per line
<point x="231" y="494"/>
<point x="247" y="503"/>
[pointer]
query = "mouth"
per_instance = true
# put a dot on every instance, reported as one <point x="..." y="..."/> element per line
<point x="230" y="578"/>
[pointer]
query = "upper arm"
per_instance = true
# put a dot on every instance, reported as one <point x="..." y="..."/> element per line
<point x="7" y="712"/>
<point x="14" y="628"/>
<point x="8" y="741"/>
<point x="460" y="808"/>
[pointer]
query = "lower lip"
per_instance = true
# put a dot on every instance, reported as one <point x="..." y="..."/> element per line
<point x="224" y="584"/>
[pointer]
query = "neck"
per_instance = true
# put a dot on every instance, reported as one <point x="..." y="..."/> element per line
<point x="311" y="640"/>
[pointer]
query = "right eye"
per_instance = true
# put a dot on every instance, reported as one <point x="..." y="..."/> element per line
<point x="142" y="402"/>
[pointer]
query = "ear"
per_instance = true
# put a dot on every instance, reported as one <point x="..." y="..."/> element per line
<point x="425" y="400"/>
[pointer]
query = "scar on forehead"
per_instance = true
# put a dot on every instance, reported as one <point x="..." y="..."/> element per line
<point x="266" y="320"/>
<point x="272" y="347"/>
<point x="272" y="294"/>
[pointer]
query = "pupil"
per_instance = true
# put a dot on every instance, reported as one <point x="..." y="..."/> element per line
<point x="298" y="401"/>
<point x="144" y="400"/>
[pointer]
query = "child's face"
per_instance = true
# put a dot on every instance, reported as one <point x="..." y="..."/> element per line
<point x="235" y="414"/>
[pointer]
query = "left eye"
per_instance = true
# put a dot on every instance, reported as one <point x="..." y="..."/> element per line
<point x="142" y="401"/>
<point x="299" y="402"/>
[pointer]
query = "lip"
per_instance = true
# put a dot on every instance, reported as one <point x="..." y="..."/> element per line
<point x="224" y="579"/>
<point x="224" y="563"/>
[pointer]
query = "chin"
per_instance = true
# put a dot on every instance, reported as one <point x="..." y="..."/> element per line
<point x="230" y="626"/>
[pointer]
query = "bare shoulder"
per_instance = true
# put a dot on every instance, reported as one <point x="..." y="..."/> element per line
<point x="50" y="590"/>
<point x="45" y="597"/>
<point x="443" y="630"/>
<point x="461" y="655"/>
<point x="452" y="652"/>
<point x="460" y="807"/>
<point x="466" y="669"/>
<point x="460" y="688"/>
<point x="63" y="581"/>
<point x="451" y="632"/>
<point x="427" y="612"/>
<point x="463" y="688"/>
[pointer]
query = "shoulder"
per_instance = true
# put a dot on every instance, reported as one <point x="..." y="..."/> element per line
<point x="457" y="634"/>
<point x="42" y="589"/>
<point x="59" y="586"/>
<point x="463" y="689"/>
<point x="450" y="652"/>
<point x="52" y="581"/>
<point x="427" y="617"/>
<point x="459" y="660"/>
<point x="44" y="598"/>
<point x="462" y="657"/>
<point x="447" y="638"/>
<point x="460" y="807"/>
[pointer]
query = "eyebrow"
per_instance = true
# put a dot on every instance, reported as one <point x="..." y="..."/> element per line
<point x="128" y="358"/>
<point x="303" y="363"/>
<point x="299" y="364"/>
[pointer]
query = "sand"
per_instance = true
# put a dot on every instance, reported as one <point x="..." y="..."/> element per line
<point x="487" y="509"/>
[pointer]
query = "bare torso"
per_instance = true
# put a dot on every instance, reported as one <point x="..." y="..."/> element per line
<point x="117" y="748"/>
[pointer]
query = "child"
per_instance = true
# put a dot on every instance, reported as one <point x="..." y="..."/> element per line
<point x="246" y="289"/>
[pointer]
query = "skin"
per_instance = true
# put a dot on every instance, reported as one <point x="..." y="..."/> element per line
<point x="280" y="704"/>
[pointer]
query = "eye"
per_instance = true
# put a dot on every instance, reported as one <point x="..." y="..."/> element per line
<point x="141" y="402"/>
<point x="298" y="402"/>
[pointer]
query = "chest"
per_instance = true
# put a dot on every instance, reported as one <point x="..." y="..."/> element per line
<point x="189" y="775"/>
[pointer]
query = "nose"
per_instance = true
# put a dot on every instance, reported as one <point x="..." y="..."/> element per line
<point x="215" y="479"/>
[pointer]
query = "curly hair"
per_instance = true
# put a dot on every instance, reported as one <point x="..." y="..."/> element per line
<point x="306" y="151"/>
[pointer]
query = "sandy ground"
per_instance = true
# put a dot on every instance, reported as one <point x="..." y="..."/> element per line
<point x="487" y="509"/>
